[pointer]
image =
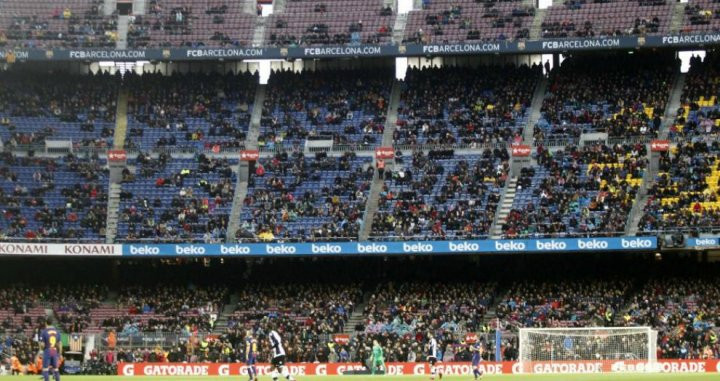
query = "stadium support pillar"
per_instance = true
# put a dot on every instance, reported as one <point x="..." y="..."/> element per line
<point x="121" y="120"/>
<point x="654" y="162"/>
<point x="556" y="60"/>
<point x="405" y="6"/>
<point x="243" y="170"/>
<point x="517" y="163"/>
<point x="498" y="342"/>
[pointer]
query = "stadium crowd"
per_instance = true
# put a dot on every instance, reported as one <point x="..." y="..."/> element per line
<point x="577" y="191"/>
<point x="53" y="198"/>
<point x="36" y="106"/>
<point x="192" y="110"/>
<point x="295" y="198"/>
<point x="197" y="208"/>
<point x="440" y="196"/>
<point x="684" y="196"/>
<point x="628" y="100"/>
<point x="401" y="314"/>
<point x="464" y="105"/>
<point x="346" y="106"/>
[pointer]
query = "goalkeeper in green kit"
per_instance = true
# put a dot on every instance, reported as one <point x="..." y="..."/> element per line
<point x="378" y="358"/>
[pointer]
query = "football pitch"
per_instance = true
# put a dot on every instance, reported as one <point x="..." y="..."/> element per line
<point x="533" y="377"/>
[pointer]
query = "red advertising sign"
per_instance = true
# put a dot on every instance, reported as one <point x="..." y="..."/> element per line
<point x="116" y="155"/>
<point x="384" y="153"/>
<point x="249" y="155"/>
<point x="342" y="338"/>
<point x="418" y="369"/>
<point x="521" y="150"/>
<point x="471" y="338"/>
<point x="659" y="145"/>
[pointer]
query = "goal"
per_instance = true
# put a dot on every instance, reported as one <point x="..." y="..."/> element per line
<point x="602" y="345"/>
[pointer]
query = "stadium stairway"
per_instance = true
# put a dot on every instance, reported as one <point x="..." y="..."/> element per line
<point x="221" y="323"/>
<point x="370" y="208"/>
<point x="508" y="197"/>
<point x="377" y="183"/>
<point x="637" y="211"/>
<point x="139" y="7"/>
<point x="254" y="128"/>
<point x="241" y="189"/>
<point x="114" y="188"/>
<point x="122" y="32"/>
<point x="678" y="17"/>
<point x="249" y="7"/>
<point x="641" y="197"/>
<point x="399" y="28"/>
<point x="241" y="186"/>
<point x="121" y="120"/>
<point x="259" y="33"/>
<point x="111" y="222"/>
<point x="357" y="317"/>
<point x="536" y="26"/>
<point x="534" y="113"/>
<point x="504" y="207"/>
<point x="278" y="6"/>
<point x="673" y="104"/>
<point x="109" y="7"/>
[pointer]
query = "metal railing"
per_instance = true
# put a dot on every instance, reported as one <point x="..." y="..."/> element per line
<point x="52" y="239"/>
<point x="398" y="238"/>
<point x="130" y="151"/>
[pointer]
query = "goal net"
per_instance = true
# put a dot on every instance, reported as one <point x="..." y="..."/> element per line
<point x="587" y="346"/>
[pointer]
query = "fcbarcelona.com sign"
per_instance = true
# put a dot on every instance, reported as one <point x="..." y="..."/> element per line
<point x="357" y="51"/>
<point x="395" y="248"/>
<point x="419" y="369"/>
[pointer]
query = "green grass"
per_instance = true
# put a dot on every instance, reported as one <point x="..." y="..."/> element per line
<point x="539" y="377"/>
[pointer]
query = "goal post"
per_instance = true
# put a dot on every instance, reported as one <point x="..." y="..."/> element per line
<point x="594" y="345"/>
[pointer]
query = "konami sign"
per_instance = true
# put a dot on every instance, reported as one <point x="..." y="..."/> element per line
<point x="9" y="248"/>
<point x="249" y="155"/>
<point x="521" y="150"/>
<point x="419" y="369"/>
<point x="384" y="153"/>
<point x="659" y="145"/>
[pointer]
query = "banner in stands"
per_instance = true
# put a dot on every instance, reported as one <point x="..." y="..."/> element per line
<point x="384" y="153"/>
<point x="341" y="338"/>
<point x="31" y="248"/>
<point x="419" y="369"/>
<point x="394" y="248"/>
<point x="703" y="243"/>
<point x="356" y="51"/>
<point x="659" y="145"/>
<point x="116" y="155"/>
<point x="249" y="155"/>
<point x="520" y="150"/>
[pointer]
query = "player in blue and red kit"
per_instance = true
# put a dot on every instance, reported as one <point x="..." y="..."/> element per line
<point x="52" y="349"/>
<point x="251" y="355"/>
<point x="477" y="351"/>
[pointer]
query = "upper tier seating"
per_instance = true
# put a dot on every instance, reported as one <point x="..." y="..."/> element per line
<point x="192" y="23"/>
<point x="465" y="106"/>
<point x="588" y="18"/>
<point x="53" y="198"/>
<point x="455" y="21"/>
<point x="314" y="22"/>
<point x="46" y="24"/>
